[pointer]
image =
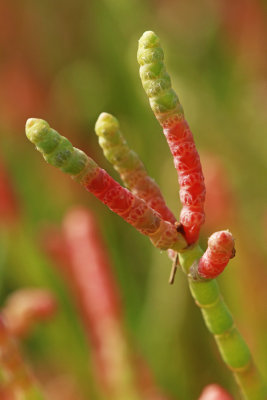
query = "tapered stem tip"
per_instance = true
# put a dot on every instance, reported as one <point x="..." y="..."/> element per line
<point x="149" y="39"/>
<point x="30" y="123"/>
<point x="34" y="128"/>
<point x="222" y="241"/>
<point x="106" y="122"/>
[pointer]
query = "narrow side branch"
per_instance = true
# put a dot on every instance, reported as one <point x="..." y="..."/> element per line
<point x="127" y="163"/>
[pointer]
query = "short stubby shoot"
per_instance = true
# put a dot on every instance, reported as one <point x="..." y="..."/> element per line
<point x="221" y="247"/>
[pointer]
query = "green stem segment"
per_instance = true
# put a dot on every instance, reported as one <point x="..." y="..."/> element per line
<point x="156" y="80"/>
<point x="219" y="321"/>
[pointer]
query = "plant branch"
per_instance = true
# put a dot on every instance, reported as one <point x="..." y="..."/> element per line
<point x="59" y="152"/>
<point x="128" y="164"/>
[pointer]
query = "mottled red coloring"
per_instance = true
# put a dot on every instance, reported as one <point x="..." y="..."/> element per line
<point x="191" y="180"/>
<point x="158" y="204"/>
<point x="120" y="200"/>
<point x="216" y="257"/>
<point x="145" y="188"/>
<point x="100" y="183"/>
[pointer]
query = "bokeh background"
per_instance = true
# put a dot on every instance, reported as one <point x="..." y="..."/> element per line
<point x="66" y="62"/>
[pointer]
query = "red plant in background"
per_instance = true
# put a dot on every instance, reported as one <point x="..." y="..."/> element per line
<point x="249" y="36"/>
<point x="220" y="198"/>
<point x="5" y="395"/>
<point x="21" y="92"/>
<point x="214" y="392"/>
<point x="25" y="307"/>
<point x="8" y="201"/>
<point x="88" y="270"/>
<point x="15" y="375"/>
<point x="60" y="386"/>
<point x="84" y="259"/>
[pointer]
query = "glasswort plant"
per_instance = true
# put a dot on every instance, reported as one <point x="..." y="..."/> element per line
<point x="143" y="206"/>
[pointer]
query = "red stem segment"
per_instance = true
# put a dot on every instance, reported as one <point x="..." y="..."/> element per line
<point x="190" y="176"/>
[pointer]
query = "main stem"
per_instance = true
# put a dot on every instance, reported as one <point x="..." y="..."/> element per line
<point x="219" y="321"/>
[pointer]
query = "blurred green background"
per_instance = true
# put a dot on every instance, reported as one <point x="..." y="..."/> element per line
<point x="66" y="62"/>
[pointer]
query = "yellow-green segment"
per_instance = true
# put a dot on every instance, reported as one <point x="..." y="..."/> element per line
<point x="155" y="79"/>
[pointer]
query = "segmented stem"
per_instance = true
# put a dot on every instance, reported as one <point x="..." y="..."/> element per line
<point x="219" y="321"/>
<point x="156" y="80"/>
<point x="127" y="163"/>
<point x="58" y="151"/>
<point x="168" y="110"/>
